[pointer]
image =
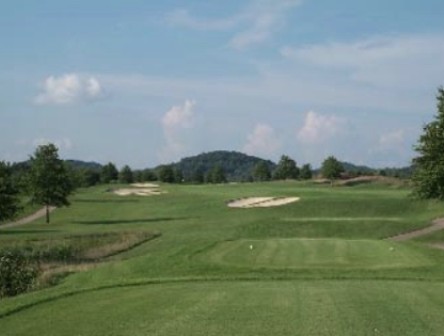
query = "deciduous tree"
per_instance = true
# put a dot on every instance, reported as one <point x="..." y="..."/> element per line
<point x="49" y="181"/>
<point x="331" y="168"/>
<point x="9" y="201"/>
<point x="286" y="169"/>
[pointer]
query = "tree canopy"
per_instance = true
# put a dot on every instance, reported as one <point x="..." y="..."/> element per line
<point x="109" y="173"/>
<point x="331" y="168"/>
<point x="306" y="172"/>
<point x="49" y="181"/>
<point x="428" y="177"/>
<point x="126" y="175"/>
<point x="9" y="202"/>
<point x="261" y="172"/>
<point x="286" y="169"/>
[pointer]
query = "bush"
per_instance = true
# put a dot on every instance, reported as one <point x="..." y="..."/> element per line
<point x="17" y="273"/>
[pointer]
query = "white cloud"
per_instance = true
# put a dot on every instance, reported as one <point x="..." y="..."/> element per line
<point x="67" y="89"/>
<point x="263" y="141"/>
<point x="255" y="23"/>
<point x="381" y="61"/>
<point x="318" y="128"/>
<point x="174" y="122"/>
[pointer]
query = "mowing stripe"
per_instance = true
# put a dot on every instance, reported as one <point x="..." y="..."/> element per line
<point x="341" y="219"/>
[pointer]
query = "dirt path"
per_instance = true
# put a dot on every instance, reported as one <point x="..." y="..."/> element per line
<point x="28" y="219"/>
<point x="437" y="225"/>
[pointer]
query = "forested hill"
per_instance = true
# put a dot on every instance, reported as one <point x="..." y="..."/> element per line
<point x="236" y="166"/>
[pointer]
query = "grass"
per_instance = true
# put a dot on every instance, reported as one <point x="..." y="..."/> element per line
<point x="318" y="267"/>
<point x="317" y="253"/>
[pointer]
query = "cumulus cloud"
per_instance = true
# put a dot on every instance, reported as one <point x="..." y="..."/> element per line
<point x="174" y="122"/>
<point x="318" y="128"/>
<point x="263" y="141"/>
<point x="255" y="23"/>
<point x="68" y="89"/>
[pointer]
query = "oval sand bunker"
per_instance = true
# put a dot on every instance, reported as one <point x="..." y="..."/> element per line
<point x="261" y="202"/>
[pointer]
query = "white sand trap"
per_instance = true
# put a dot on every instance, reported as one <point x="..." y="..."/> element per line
<point x="144" y="185"/>
<point x="140" y="189"/>
<point x="261" y="202"/>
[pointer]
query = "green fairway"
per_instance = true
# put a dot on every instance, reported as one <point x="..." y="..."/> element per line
<point x="320" y="266"/>
<point x="241" y="308"/>
<point x="318" y="253"/>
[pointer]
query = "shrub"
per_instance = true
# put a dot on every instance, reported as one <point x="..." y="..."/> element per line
<point x="17" y="273"/>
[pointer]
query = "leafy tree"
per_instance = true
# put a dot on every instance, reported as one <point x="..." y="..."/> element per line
<point x="9" y="202"/>
<point x="261" y="172"/>
<point x="428" y="176"/>
<point x="216" y="175"/>
<point x="166" y="174"/>
<point x="49" y="181"/>
<point x="286" y="169"/>
<point x="90" y="177"/>
<point x="109" y="173"/>
<point x="178" y="176"/>
<point x="331" y="168"/>
<point x="126" y="175"/>
<point x="148" y="175"/>
<point x="306" y="172"/>
<point x="198" y="176"/>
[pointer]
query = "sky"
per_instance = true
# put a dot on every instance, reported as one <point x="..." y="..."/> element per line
<point x="148" y="82"/>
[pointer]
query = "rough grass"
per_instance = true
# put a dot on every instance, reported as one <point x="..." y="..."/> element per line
<point x="197" y="279"/>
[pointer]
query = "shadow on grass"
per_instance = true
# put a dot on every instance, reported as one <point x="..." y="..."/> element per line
<point x="132" y="221"/>
<point x="11" y="232"/>
<point x="107" y="200"/>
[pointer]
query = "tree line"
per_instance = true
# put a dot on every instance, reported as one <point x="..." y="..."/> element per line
<point x="49" y="181"/>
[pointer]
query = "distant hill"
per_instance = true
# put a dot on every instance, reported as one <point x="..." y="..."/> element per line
<point x="237" y="166"/>
<point x="352" y="168"/>
<point x="78" y="164"/>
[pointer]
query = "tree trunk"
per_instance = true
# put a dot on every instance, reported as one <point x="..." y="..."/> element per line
<point x="47" y="214"/>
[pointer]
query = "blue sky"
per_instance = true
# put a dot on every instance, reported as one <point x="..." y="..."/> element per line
<point x="149" y="82"/>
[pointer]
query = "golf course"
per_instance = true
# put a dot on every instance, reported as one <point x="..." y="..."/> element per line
<point x="325" y="264"/>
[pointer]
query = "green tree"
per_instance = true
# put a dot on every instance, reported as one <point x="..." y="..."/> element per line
<point x="216" y="175"/>
<point x="331" y="168"/>
<point x="428" y="176"/>
<point x="306" y="172"/>
<point x="286" y="169"/>
<point x="166" y="174"/>
<point x="178" y="176"/>
<point x="9" y="202"/>
<point x="149" y="175"/>
<point x="109" y="173"/>
<point x="49" y="181"/>
<point x="261" y="172"/>
<point x="126" y="175"/>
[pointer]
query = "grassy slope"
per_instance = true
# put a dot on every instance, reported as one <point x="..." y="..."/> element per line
<point x="355" y="289"/>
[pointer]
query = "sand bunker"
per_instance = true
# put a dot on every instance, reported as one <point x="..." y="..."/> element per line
<point x="144" y="185"/>
<point x="140" y="189"/>
<point x="261" y="202"/>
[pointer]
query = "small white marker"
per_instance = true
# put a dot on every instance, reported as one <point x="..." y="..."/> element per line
<point x="251" y="247"/>
<point x="392" y="248"/>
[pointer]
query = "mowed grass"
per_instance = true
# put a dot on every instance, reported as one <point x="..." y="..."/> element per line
<point x="317" y="253"/>
<point x="320" y="266"/>
<point x="241" y="308"/>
